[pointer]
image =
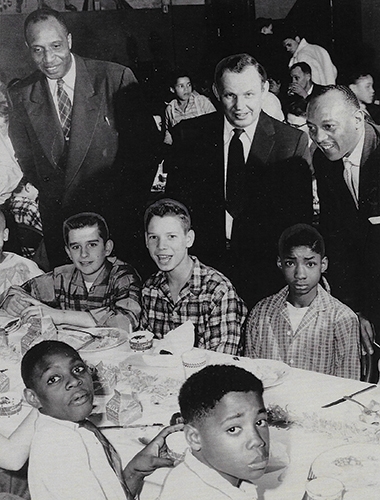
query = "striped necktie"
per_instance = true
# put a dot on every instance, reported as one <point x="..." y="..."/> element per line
<point x="64" y="108"/>
<point x="111" y="454"/>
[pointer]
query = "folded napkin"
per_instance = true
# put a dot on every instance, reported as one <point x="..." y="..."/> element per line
<point x="177" y="341"/>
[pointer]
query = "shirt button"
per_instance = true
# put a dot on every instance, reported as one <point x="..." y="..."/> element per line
<point x="291" y="361"/>
<point x="289" y="332"/>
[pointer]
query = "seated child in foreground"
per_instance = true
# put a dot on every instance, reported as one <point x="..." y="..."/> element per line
<point x="303" y="325"/>
<point x="14" y="269"/>
<point x="95" y="290"/>
<point x="66" y="460"/>
<point x="226" y="429"/>
<point x="184" y="288"/>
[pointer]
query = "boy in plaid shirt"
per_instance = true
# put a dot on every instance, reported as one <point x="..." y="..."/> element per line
<point x="303" y="325"/>
<point x="95" y="290"/>
<point x="184" y="288"/>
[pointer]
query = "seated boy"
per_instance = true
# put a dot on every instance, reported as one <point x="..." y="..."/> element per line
<point x="69" y="457"/>
<point x="303" y="325"/>
<point x="95" y="290"/>
<point x="187" y="103"/>
<point x="14" y="269"/>
<point x="184" y="288"/>
<point x="226" y="429"/>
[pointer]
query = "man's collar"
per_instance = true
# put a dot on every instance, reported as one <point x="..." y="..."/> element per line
<point x="69" y="78"/>
<point x="356" y="155"/>
<point x="228" y="129"/>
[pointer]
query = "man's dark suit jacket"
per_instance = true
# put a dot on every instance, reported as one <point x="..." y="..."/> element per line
<point x="352" y="242"/>
<point x="277" y="194"/>
<point x="98" y="170"/>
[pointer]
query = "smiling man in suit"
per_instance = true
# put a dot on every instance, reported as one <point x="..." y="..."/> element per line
<point x="79" y="134"/>
<point x="348" y="176"/>
<point x="245" y="176"/>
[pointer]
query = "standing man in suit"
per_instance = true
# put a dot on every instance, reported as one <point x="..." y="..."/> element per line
<point x="245" y="176"/>
<point x="348" y="177"/>
<point x="80" y="135"/>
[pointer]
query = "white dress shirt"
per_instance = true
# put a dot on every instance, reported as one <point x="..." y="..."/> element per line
<point x="68" y="84"/>
<point x="68" y="462"/>
<point x="246" y="138"/>
<point x="351" y="171"/>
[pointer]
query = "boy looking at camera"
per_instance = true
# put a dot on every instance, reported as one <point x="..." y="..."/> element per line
<point x="95" y="290"/>
<point x="184" y="288"/>
<point x="69" y="457"/>
<point x="303" y="325"/>
<point x="227" y="432"/>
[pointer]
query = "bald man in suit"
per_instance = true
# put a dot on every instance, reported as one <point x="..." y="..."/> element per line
<point x="94" y="157"/>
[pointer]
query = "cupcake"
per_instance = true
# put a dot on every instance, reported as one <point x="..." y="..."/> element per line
<point x="141" y="341"/>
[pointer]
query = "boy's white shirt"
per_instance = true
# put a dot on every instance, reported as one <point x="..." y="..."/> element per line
<point x="68" y="462"/>
<point x="193" y="480"/>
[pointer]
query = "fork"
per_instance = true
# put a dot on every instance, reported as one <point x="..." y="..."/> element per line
<point x="74" y="329"/>
<point x="366" y="410"/>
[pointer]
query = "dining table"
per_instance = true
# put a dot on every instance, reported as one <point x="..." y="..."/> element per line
<point x="302" y="430"/>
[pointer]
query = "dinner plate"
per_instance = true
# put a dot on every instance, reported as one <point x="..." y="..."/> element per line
<point x="355" y="465"/>
<point x="111" y="337"/>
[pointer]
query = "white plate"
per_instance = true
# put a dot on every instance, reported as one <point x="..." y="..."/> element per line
<point x="357" y="466"/>
<point x="83" y="342"/>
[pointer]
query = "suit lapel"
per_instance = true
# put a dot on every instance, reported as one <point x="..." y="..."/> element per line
<point x="84" y="119"/>
<point x="263" y="142"/>
<point x="45" y="121"/>
<point x="366" y="180"/>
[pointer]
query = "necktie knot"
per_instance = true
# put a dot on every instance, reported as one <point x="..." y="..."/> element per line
<point x="238" y="132"/>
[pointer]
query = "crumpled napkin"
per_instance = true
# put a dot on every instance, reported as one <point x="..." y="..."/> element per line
<point x="177" y="341"/>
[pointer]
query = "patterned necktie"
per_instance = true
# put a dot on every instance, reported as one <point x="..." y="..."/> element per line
<point x="111" y="454"/>
<point x="64" y="107"/>
<point x="235" y="174"/>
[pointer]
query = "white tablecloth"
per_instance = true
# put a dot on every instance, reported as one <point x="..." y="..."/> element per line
<point x="301" y="393"/>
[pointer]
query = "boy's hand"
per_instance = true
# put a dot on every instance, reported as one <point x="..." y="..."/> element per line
<point x="37" y="310"/>
<point x="367" y="333"/>
<point x="152" y="457"/>
<point x="17" y="301"/>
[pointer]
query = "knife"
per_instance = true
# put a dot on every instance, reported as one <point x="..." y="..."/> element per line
<point x="341" y="400"/>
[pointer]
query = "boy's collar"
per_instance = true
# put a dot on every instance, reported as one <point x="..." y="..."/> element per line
<point x="78" y="278"/>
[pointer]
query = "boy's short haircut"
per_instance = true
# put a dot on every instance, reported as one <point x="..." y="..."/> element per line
<point x="300" y="235"/>
<point x="20" y="186"/>
<point x="85" y="219"/>
<point x="204" y="389"/>
<point x="178" y="73"/>
<point x="34" y="357"/>
<point x="167" y="206"/>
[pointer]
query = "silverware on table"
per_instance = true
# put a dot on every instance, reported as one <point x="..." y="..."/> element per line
<point x="344" y="398"/>
<point x="4" y="370"/>
<point x="75" y="329"/>
<point x="134" y="426"/>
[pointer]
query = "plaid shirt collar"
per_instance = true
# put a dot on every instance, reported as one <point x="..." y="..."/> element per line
<point x="320" y="302"/>
<point x="102" y="278"/>
<point x="193" y="286"/>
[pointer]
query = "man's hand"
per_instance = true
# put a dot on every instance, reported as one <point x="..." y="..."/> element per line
<point x="17" y="301"/>
<point x="367" y="333"/>
<point x="296" y="88"/>
<point x="152" y="457"/>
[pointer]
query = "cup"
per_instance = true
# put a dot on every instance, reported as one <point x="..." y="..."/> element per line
<point x="193" y="361"/>
<point x="324" y="488"/>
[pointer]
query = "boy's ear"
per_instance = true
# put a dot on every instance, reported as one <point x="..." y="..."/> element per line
<point x="109" y="247"/>
<point x="297" y="39"/>
<point x="32" y="398"/>
<point x="324" y="264"/>
<point x="6" y="234"/>
<point x="193" y="437"/>
<point x="279" y="265"/>
<point x="172" y="90"/>
<point x="190" y="238"/>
